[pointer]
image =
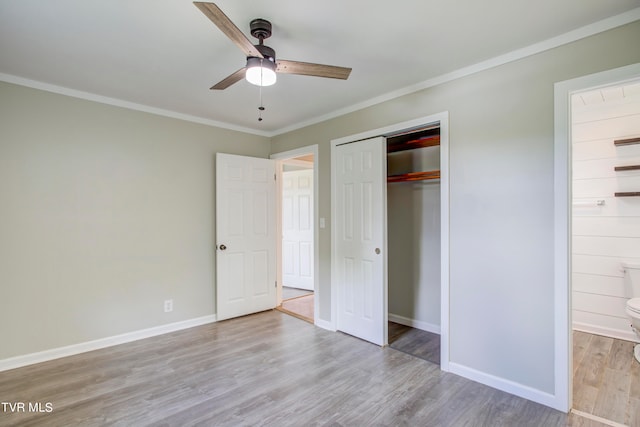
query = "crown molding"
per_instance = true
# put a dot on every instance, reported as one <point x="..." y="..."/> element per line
<point x="61" y="90"/>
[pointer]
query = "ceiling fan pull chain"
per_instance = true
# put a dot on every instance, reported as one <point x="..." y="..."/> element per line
<point x="260" y="108"/>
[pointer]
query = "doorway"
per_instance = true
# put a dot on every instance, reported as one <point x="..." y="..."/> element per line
<point x="413" y="228"/>
<point x="297" y="233"/>
<point x="337" y="207"/>
<point x="605" y="233"/>
<point x="566" y="362"/>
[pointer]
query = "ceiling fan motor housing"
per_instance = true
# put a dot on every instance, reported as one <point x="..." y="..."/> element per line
<point x="260" y="29"/>
<point x="267" y="52"/>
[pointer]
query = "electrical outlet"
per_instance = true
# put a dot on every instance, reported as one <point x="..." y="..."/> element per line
<point x="168" y="305"/>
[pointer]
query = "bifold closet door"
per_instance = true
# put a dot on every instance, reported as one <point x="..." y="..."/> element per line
<point x="360" y="239"/>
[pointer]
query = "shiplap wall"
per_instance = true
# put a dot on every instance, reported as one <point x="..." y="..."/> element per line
<point x="604" y="236"/>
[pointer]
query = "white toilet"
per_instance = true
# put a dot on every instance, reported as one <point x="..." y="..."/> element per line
<point x="632" y="287"/>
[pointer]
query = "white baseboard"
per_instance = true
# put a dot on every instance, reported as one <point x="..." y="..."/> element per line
<point x="70" y="350"/>
<point x="418" y="324"/>
<point x="508" y="386"/>
<point x="607" y="332"/>
<point x="329" y="326"/>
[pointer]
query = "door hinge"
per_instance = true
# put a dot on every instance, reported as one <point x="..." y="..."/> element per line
<point x="276" y="283"/>
<point x="274" y="177"/>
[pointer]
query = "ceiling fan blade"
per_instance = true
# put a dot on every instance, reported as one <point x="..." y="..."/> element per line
<point x="228" y="81"/>
<point x="221" y="20"/>
<point x="309" y="69"/>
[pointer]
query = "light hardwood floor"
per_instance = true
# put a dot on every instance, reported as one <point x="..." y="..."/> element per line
<point x="606" y="378"/>
<point x="265" y="369"/>
<point x="416" y="342"/>
<point x="300" y="307"/>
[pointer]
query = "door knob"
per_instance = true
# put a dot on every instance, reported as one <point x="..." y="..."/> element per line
<point x="223" y="247"/>
<point x="377" y="251"/>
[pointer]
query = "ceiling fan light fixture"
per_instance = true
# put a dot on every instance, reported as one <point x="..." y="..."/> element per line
<point x="260" y="72"/>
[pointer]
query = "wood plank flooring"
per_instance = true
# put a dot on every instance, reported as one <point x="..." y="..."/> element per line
<point x="416" y="342"/>
<point x="606" y="378"/>
<point x="300" y="307"/>
<point x="267" y="369"/>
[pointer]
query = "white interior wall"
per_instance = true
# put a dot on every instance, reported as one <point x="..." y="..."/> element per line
<point x="604" y="236"/>
<point x="413" y="215"/>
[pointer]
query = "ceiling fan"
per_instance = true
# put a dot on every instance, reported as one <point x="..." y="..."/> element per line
<point x="262" y="64"/>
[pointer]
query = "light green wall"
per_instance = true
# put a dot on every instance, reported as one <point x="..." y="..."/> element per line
<point x="104" y="213"/>
<point x="501" y="199"/>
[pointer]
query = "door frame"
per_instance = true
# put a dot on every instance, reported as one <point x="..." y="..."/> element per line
<point x="443" y="119"/>
<point x="563" y="341"/>
<point x="280" y="157"/>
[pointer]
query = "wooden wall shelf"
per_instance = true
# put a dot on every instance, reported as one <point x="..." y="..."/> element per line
<point x="627" y="168"/>
<point x="629" y="141"/>
<point x="422" y="142"/>
<point x="414" y="176"/>
<point x="628" y="194"/>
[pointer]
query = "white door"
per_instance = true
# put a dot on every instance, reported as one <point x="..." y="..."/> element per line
<point x="297" y="229"/>
<point x="245" y="235"/>
<point x="360" y="239"/>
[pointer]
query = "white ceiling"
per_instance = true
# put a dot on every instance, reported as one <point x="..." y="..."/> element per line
<point x="165" y="54"/>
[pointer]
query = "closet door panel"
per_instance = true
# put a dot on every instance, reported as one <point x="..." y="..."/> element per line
<point x="360" y="246"/>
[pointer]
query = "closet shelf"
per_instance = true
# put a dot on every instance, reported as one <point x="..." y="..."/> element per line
<point x="414" y="176"/>
<point x="627" y="168"/>
<point x="425" y="141"/>
<point x="630" y="141"/>
<point x="628" y="194"/>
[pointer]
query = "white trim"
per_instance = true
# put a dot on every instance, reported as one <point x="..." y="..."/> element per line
<point x="281" y="156"/>
<point x="300" y="163"/>
<point x="597" y="418"/>
<point x="70" y="350"/>
<point x="563" y="339"/>
<point x="61" y="90"/>
<point x="607" y="332"/>
<point x="418" y="324"/>
<point x="391" y="129"/>
<point x="443" y="119"/>
<point x="325" y="325"/>
<point x="562" y="220"/>
<point x="444" y="240"/>
<point x="334" y="246"/>
<point x="515" y="55"/>
<point x="505" y="385"/>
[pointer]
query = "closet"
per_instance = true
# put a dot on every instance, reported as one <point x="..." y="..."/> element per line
<point x="413" y="233"/>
